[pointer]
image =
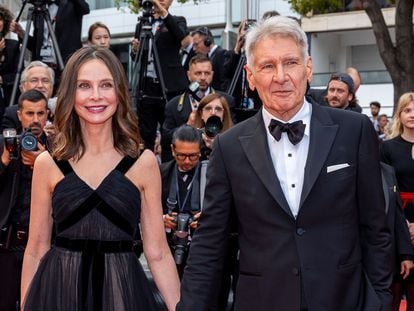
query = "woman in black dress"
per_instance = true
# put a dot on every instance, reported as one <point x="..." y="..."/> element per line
<point x="399" y="153"/>
<point x="95" y="189"/>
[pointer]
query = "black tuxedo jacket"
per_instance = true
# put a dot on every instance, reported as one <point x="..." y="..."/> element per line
<point x="337" y="252"/>
<point x="168" y="43"/>
<point x="68" y="28"/>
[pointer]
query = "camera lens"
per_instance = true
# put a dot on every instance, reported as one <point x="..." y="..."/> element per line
<point x="28" y="142"/>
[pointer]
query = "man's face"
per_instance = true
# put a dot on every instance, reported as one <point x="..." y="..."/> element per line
<point x="38" y="78"/>
<point x="338" y="95"/>
<point x="280" y="74"/>
<point x="33" y="115"/>
<point x="198" y="44"/>
<point x="374" y="110"/>
<point x="165" y="3"/>
<point x="201" y="73"/>
<point x="186" y="154"/>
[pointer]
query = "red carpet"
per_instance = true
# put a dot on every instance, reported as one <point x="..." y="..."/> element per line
<point x="402" y="305"/>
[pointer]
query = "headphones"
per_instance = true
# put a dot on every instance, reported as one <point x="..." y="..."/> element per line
<point x="204" y="31"/>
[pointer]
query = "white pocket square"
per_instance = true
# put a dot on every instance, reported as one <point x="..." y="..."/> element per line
<point x="336" y="167"/>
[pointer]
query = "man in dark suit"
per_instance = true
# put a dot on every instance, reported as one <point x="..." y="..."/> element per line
<point x="168" y="32"/>
<point x="203" y="43"/>
<point x="305" y="195"/>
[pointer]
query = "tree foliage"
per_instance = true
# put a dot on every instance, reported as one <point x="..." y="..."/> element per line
<point x="134" y="6"/>
<point x="304" y="7"/>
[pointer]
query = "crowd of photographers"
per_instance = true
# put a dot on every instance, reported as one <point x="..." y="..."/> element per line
<point x="186" y="88"/>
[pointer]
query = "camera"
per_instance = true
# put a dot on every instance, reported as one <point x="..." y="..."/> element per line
<point x="213" y="126"/>
<point x="181" y="237"/>
<point x="147" y="6"/>
<point x="28" y="141"/>
<point x="39" y="3"/>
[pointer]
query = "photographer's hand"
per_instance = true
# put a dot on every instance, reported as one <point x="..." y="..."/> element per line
<point x="2" y="44"/>
<point x="135" y="45"/>
<point x="29" y="157"/>
<point x="169" y="221"/>
<point x="5" y="157"/>
<point x="192" y="118"/>
<point x="17" y="29"/>
<point x="194" y="223"/>
<point x="159" y="10"/>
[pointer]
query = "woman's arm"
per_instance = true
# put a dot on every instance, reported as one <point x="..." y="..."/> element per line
<point x="40" y="226"/>
<point x="156" y="249"/>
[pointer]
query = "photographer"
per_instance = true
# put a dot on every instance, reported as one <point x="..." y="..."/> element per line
<point x="182" y="189"/>
<point x="212" y="105"/>
<point x="183" y="108"/>
<point x="15" y="193"/>
<point x="168" y="32"/>
<point x="9" y="56"/>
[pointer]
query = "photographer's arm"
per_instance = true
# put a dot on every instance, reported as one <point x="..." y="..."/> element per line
<point x="81" y="6"/>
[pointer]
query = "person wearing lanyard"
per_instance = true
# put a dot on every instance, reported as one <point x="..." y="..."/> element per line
<point x="182" y="186"/>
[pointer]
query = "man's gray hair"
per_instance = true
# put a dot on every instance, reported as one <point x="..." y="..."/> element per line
<point x="276" y="26"/>
<point x="34" y="64"/>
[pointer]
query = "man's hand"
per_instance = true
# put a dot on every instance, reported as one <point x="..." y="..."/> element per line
<point x="29" y="157"/>
<point x="169" y="221"/>
<point x="17" y="29"/>
<point x="406" y="266"/>
<point x="5" y="157"/>
<point x="159" y="10"/>
<point x="192" y="118"/>
<point x="194" y="223"/>
<point x="135" y="45"/>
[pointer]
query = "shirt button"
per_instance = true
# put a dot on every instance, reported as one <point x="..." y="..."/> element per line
<point x="289" y="155"/>
<point x="300" y="231"/>
<point x="293" y="186"/>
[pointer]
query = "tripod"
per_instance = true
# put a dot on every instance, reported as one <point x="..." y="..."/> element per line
<point x="37" y="11"/>
<point x="139" y="73"/>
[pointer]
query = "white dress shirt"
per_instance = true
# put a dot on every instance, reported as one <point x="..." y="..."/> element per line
<point x="289" y="160"/>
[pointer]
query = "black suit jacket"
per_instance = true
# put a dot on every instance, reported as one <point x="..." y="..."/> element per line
<point x="337" y="250"/>
<point x="8" y="70"/>
<point x="219" y="58"/>
<point x="168" y="43"/>
<point x="68" y="28"/>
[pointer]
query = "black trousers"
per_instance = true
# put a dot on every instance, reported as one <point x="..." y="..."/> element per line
<point x="10" y="271"/>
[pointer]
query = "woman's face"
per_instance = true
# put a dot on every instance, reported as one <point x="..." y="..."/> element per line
<point x="100" y="37"/>
<point x="95" y="100"/>
<point x="213" y="108"/>
<point x="407" y="116"/>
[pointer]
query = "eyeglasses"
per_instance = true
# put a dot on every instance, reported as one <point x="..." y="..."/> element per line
<point x="183" y="156"/>
<point x="217" y="109"/>
<point x="36" y="81"/>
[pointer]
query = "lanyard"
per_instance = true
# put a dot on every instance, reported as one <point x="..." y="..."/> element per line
<point x="189" y="188"/>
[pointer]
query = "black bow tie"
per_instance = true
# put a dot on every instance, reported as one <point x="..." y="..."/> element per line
<point x="295" y="130"/>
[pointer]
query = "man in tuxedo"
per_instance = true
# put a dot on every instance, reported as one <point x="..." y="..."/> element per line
<point x="168" y="33"/>
<point x="303" y="184"/>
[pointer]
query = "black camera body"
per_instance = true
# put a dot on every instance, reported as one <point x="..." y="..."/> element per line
<point x="181" y="235"/>
<point x="147" y="7"/>
<point x="40" y="3"/>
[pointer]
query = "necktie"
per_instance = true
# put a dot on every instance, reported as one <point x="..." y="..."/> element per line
<point x="295" y="130"/>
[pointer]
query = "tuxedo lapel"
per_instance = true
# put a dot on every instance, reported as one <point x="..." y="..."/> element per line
<point x="322" y="135"/>
<point x="256" y="148"/>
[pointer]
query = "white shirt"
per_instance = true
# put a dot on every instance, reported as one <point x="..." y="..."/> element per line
<point x="289" y="160"/>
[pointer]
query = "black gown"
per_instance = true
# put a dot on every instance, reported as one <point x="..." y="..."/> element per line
<point x="91" y="265"/>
